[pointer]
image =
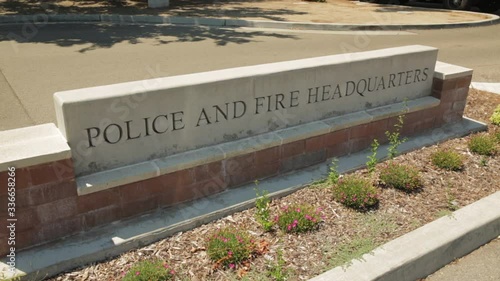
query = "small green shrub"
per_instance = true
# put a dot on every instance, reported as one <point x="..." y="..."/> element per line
<point x="402" y="177"/>
<point x="497" y="136"/>
<point x="372" y="159"/>
<point x="277" y="270"/>
<point x="355" y="192"/>
<point x="298" y="218"/>
<point x="482" y="144"/>
<point x="394" y="137"/>
<point x="333" y="175"/>
<point x="229" y="247"/>
<point x="495" y="117"/>
<point x="149" y="270"/>
<point x="262" y="212"/>
<point x="448" y="160"/>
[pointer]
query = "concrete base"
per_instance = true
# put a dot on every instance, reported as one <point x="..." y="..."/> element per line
<point x="158" y="3"/>
<point x="119" y="237"/>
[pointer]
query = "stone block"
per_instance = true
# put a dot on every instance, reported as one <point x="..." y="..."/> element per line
<point x="134" y="122"/>
<point x="31" y="146"/>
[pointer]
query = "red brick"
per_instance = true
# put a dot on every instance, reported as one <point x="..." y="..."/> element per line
<point x="200" y="190"/>
<point x="412" y="117"/>
<point x="464" y="82"/>
<point x="240" y="177"/>
<point x="46" y="193"/>
<point x="293" y="149"/>
<point x="167" y="198"/>
<point x="424" y="125"/>
<point x="64" y="169"/>
<point x="454" y="95"/>
<point x="24" y="239"/>
<point x="337" y="137"/>
<point x="238" y="164"/>
<point x="60" y="228"/>
<point x="130" y="209"/>
<point x="179" y="178"/>
<point x="268" y="155"/>
<point x="98" y="200"/>
<point x="359" y="144"/>
<point x="26" y="219"/>
<point x="373" y="130"/>
<point x="207" y="171"/>
<point x="266" y="170"/>
<point x="338" y="150"/>
<point x="139" y="190"/>
<point x="445" y="106"/>
<point x="444" y="85"/>
<point x="3" y="183"/>
<point x="56" y="210"/>
<point x="22" y="179"/>
<point x="4" y="247"/>
<point x="315" y="143"/>
<point x="102" y="216"/>
<point x="44" y="173"/>
<point x="459" y="106"/>
<point x="3" y="205"/>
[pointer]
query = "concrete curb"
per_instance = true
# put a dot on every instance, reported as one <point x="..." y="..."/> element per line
<point x="488" y="87"/>
<point x="222" y="22"/>
<point x="47" y="260"/>
<point x="421" y="252"/>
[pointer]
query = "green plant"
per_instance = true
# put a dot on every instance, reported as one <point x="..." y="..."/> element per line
<point x="345" y="252"/>
<point x="298" y="218"/>
<point x="451" y="202"/>
<point x="149" y="270"/>
<point x="447" y="159"/>
<point x="355" y="192"/>
<point x="495" y="117"/>
<point x="402" y="177"/>
<point x="394" y="137"/>
<point x="333" y="175"/>
<point x="262" y="212"/>
<point x="443" y="213"/>
<point x="484" y="161"/>
<point x="229" y="246"/>
<point x="372" y="159"/>
<point x="277" y="270"/>
<point x="482" y="144"/>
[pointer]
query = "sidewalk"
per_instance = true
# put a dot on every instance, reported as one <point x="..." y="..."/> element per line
<point x="480" y="265"/>
<point x="341" y="12"/>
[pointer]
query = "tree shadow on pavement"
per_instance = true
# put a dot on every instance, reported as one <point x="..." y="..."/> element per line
<point x="186" y="8"/>
<point x="106" y="35"/>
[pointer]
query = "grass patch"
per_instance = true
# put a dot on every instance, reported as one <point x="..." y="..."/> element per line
<point x="483" y="145"/>
<point x="447" y="160"/>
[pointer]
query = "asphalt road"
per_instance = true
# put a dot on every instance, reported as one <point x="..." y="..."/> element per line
<point x="480" y="265"/>
<point x="36" y="62"/>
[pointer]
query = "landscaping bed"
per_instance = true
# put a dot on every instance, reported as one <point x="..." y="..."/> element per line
<point x="342" y="233"/>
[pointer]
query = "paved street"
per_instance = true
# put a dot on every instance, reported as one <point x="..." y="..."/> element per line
<point x="481" y="264"/>
<point x="59" y="57"/>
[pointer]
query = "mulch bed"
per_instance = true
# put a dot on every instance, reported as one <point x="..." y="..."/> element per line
<point x="343" y="232"/>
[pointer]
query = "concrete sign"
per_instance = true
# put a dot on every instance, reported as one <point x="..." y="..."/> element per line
<point x="118" y="125"/>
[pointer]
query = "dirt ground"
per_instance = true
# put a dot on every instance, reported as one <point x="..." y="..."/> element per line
<point x="332" y="11"/>
<point x="344" y="234"/>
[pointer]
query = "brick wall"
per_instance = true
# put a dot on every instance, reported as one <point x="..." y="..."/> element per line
<point x="48" y="207"/>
